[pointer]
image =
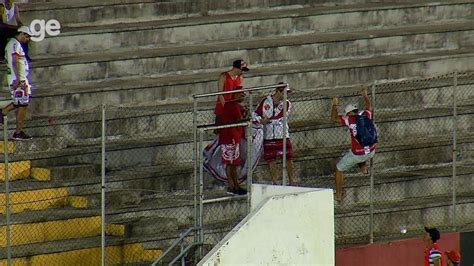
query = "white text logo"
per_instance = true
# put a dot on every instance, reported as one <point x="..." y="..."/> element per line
<point x="39" y="28"/>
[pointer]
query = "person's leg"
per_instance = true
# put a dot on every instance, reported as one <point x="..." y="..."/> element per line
<point x="20" y="118"/>
<point x="339" y="180"/>
<point x="291" y="172"/>
<point x="362" y="162"/>
<point x="363" y="168"/>
<point x="272" y="166"/>
<point x="231" y="171"/>
<point x="346" y="163"/>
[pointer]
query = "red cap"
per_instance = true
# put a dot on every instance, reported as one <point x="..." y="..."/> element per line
<point x="454" y="256"/>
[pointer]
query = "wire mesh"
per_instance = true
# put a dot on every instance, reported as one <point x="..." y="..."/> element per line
<point x="52" y="220"/>
<point x="55" y="178"/>
<point x="414" y="162"/>
<point x="149" y="182"/>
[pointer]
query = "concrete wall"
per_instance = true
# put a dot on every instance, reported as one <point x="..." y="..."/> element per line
<point x="294" y="227"/>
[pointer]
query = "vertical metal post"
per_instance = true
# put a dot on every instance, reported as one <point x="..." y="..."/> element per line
<point x="195" y="158"/>
<point x="249" y="163"/>
<point x="249" y="153"/>
<point x="284" y="170"/>
<point x="201" y="194"/>
<point x="455" y="87"/>
<point x="103" y="225"/>
<point x="7" y="192"/>
<point x="371" y="211"/>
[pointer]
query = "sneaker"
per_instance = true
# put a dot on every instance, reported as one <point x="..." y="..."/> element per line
<point x="21" y="136"/>
<point x="241" y="191"/>
<point x="231" y="191"/>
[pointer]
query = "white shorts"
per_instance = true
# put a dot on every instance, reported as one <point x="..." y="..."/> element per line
<point x="350" y="159"/>
<point x="21" y="94"/>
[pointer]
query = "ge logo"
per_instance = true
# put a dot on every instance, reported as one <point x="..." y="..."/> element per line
<point x="39" y="28"/>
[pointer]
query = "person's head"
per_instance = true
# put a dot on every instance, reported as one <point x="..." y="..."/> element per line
<point x="351" y="109"/>
<point x="431" y="236"/>
<point x="239" y="66"/>
<point x="23" y="34"/>
<point x="238" y="96"/>
<point x="280" y="91"/>
<point x="8" y="3"/>
<point x="454" y="258"/>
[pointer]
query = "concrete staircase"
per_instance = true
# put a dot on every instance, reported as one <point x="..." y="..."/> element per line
<point x="168" y="60"/>
<point x="150" y="57"/>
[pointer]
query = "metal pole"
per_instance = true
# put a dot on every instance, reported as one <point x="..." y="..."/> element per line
<point x="7" y="192"/>
<point x="195" y="157"/>
<point x="249" y="163"/>
<point x="201" y="195"/>
<point x="103" y="225"/>
<point x="455" y="86"/>
<point x="241" y="90"/>
<point x="249" y="154"/>
<point x="371" y="211"/>
<point x="284" y="170"/>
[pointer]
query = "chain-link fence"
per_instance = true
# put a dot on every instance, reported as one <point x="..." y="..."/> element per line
<point x="126" y="179"/>
<point x="45" y="217"/>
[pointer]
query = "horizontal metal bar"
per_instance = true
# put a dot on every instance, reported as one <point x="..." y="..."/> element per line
<point x="208" y="201"/>
<point x="242" y="90"/>
<point x="213" y="126"/>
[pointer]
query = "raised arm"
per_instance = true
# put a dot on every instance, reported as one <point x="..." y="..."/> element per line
<point x="334" y="115"/>
<point x="363" y="92"/>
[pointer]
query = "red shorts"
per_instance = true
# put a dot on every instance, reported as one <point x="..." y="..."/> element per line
<point x="274" y="147"/>
<point x="230" y="154"/>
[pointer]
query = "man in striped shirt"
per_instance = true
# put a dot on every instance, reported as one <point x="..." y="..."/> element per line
<point x="433" y="255"/>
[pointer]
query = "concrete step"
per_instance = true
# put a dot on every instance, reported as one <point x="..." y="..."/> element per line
<point x="66" y="173"/>
<point x="82" y="251"/>
<point x="431" y="100"/>
<point x="72" y="228"/>
<point x="304" y="75"/>
<point x="38" y="143"/>
<point x="131" y="188"/>
<point x="398" y="183"/>
<point x="155" y="127"/>
<point x="307" y="138"/>
<point x="34" y="199"/>
<point x="149" y="226"/>
<point x="105" y="12"/>
<point x="114" y="11"/>
<point x="16" y="170"/>
<point x="285" y="50"/>
<point x="200" y="30"/>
